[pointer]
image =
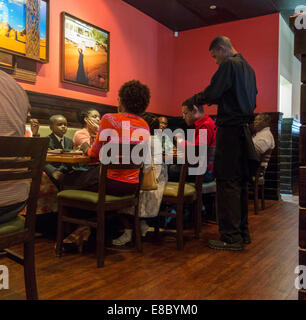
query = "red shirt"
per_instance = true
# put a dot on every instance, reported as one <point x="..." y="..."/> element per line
<point x="207" y="123"/>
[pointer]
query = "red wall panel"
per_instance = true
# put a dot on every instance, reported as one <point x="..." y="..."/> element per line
<point x="257" y="39"/>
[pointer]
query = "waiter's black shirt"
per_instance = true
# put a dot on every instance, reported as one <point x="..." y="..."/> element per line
<point x="233" y="89"/>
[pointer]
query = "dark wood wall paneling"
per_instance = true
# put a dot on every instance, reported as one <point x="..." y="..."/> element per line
<point x="289" y="156"/>
<point x="45" y="105"/>
<point x="272" y="178"/>
<point x="300" y="53"/>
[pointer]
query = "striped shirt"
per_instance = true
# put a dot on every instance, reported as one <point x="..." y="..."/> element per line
<point x="115" y="122"/>
<point x="14" y="106"/>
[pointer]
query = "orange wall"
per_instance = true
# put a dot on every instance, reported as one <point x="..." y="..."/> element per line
<point x="256" y="39"/>
<point x="140" y="48"/>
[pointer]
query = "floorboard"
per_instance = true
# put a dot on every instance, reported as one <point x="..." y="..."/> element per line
<point x="264" y="270"/>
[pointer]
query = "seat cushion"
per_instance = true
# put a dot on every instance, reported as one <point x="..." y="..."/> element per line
<point x="13" y="225"/>
<point x="89" y="196"/>
<point x="171" y="189"/>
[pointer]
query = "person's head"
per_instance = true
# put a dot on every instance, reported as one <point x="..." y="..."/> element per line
<point x="261" y="121"/>
<point x="221" y="48"/>
<point x="152" y="121"/>
<point x="134" y="97"/>
<point x="163" y="123"/>
<point x="191" y="113"/>
<point x="58" y="125"/>
<point x="91" y="114"/>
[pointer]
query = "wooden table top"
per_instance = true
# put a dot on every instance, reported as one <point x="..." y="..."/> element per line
<point x="64" y="158"/>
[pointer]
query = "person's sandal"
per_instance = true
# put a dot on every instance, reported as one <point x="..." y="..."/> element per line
<point x="77" y="239"/>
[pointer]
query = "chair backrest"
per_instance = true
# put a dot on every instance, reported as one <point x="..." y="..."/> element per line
<point x="120" y="164"/>
<point x="21" y="159"/>
<point x="183" y="176"/>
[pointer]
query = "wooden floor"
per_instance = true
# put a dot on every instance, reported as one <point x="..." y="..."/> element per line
<point x="264" y="270"/>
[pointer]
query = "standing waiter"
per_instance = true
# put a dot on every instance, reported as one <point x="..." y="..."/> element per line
<point x="233" y="89"/>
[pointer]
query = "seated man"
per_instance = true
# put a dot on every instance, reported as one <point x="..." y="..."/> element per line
<point x="167" y="145"/>
<point x="14" y="105"/>
<point x="194" y="117"/>
<point x="58" y="126"/>
<point x="263" y="139"/>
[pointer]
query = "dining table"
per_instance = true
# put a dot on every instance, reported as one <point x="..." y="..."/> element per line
<point x="69" y="157"/>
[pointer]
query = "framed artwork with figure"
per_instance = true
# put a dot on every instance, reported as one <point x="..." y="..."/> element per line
<point x="85" y="53"/>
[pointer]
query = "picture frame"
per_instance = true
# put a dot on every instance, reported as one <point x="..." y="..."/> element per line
<point x="13" y="28"/>
<point x="85" y="53"/>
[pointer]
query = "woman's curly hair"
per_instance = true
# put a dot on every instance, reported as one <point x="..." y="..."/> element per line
<point x="84" y="114"/>
<point x="134" y="96"/>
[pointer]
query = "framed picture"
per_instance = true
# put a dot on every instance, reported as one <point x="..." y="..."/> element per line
<point x="85" y="53"/>
<point x="13" y="34"/>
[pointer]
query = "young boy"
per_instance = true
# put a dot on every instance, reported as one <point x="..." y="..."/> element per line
<point x="58" y="126"/>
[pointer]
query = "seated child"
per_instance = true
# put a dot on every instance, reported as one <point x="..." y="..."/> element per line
<point x="58" y="126"/>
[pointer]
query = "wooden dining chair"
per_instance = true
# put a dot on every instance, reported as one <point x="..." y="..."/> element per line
<point x="259" y="181"/>
<point x="178" y="194"/>
<point x="100" y="203"/>
<point x="22" y="158"/>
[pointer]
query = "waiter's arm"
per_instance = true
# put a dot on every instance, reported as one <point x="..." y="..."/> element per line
<point x="220" y="82"/>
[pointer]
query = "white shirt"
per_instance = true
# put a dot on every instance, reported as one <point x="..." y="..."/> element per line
<point x="263" y="141"/>
<point x="14" y="105"/>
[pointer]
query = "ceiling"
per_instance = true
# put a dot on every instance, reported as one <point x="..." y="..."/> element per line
<point x="180" y="15"/>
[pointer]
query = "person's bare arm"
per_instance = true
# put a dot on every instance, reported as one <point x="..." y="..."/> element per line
<point x="34" y="127"/>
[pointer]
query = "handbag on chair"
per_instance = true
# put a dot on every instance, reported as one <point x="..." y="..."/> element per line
<point x="149" y="181"/>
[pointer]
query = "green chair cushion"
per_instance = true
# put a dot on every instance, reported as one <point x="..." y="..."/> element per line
<point x="14" y="225"/>
<point x="171" y="189"/>
<point x="89" y="196"/>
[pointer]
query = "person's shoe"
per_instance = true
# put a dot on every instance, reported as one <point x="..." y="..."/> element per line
<point x="247" y="240"/>
<point x="144" y="228"/>
<point x="124" y="238"/>
<point x="221" y="245"/>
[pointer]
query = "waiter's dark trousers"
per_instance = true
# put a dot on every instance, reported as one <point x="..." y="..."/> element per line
<point x="232" y="194"/>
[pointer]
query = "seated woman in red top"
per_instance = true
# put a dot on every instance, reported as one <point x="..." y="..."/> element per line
<point x="89" y="119"/>
<point x="134" y="98"/>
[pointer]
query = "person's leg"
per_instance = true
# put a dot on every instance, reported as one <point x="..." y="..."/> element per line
<point x="11" y="212"/>
<point x="82" y="180"/>
<point x="208" y="176"/>
<point x="229" y="210"/>
<point x="127" y="234"/>
<point x="227" y="169"/>
<point x="244" y="214"/>
<point x="117" y="188"/>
